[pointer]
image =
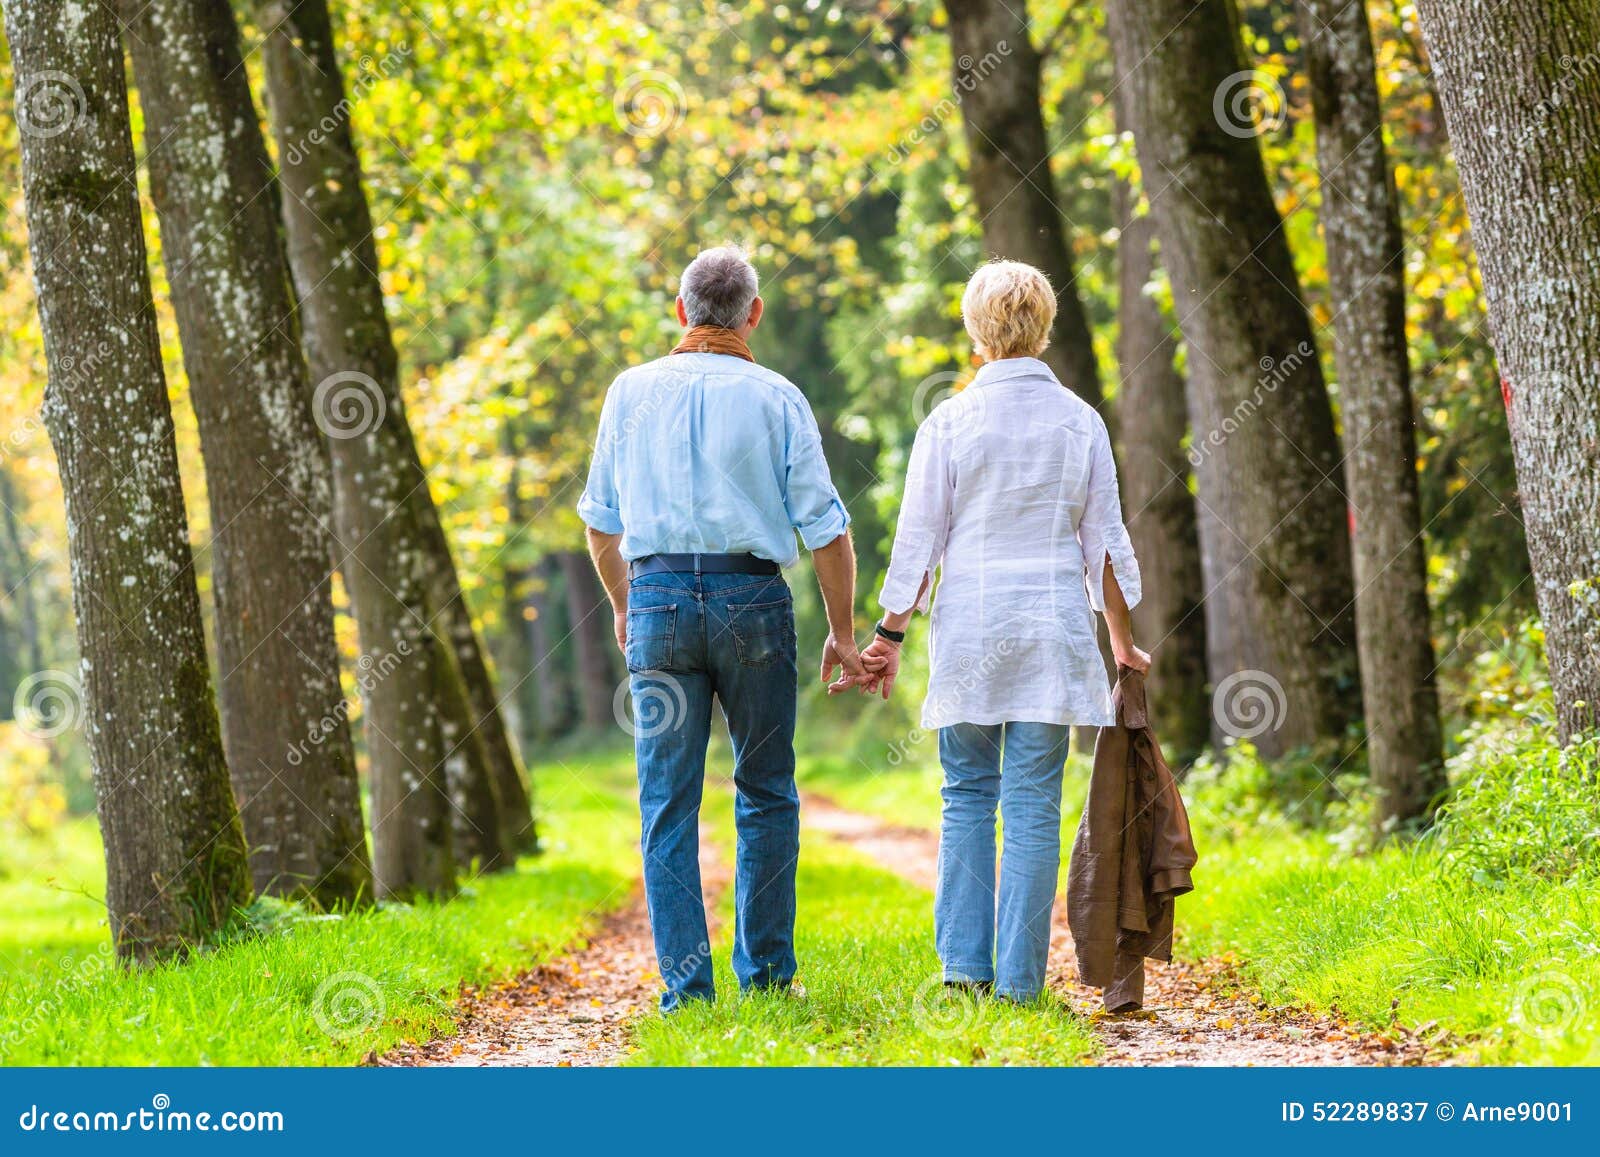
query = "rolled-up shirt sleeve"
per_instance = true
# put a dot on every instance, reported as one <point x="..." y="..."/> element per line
<point x="813" y="504"/>
<point x="600" y="507"/>
<point x="1102" y="534"/>
<point x="924" y="525"/>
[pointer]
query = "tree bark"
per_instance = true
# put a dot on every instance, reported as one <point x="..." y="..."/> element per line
<point x="1008" y="156"/>
<point x="590" y="620"/>
<point x="1366" y="274"/>
<point x="383" y="546"/>
<point x="454" y="618"/>
<point x="1275" y="550"/>
<point x="479" y="836"/>
<point x="287" y="739"/>
<point x="176" y="865"/>
<point x="335" y="266"/>
<point x="555" y="684"/>
<point x="1152" y="421"/>
<point x="1521" y="98"/>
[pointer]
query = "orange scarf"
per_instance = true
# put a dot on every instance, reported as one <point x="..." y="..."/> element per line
<point x="714" y="339"/>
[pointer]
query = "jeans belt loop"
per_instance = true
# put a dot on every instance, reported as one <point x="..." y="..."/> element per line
<point x="697" y="570"/>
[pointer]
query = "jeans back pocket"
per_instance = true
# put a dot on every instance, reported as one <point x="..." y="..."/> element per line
<point x="762" y="632"/>
<point x="650" y="637"/>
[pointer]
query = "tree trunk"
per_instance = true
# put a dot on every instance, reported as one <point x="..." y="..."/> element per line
<point x="176" y="865"/>
<point x="383" y="547"/>
<point x="479" y="838"/>
<point x="1152" y="421"/>
<point x="335" y="266"/>
<point x="287" y="739"/>
<point x="555" y="682"/>
<point x="453" y="618"/>
<point x="1522" y="101"/>
<point x="1366" y="274"/>
<point x="590" y="622"/>
<point x="517" y="638"/>
<point x="997" y="83"/>
<point x="1275" y="550"/>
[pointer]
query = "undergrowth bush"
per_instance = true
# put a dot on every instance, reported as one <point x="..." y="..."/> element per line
<point x="1520" y="804"/>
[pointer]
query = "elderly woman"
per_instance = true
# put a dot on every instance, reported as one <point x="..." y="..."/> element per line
<point x="1011" y="495"/>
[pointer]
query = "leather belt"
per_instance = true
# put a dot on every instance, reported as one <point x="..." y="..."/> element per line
<point x="701" y="564"/>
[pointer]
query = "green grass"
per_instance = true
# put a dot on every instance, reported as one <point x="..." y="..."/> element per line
<point x="873" y="990"/>
<point x="1510" y="969"/>
<point x="300" y="991"/>
<point x="1508" y="966"/>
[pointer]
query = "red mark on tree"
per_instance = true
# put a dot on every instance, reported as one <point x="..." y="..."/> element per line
<point x="1505" y="393"/>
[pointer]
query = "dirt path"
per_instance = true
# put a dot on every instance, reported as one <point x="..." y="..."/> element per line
<point x="1195" y="1014"/>
<point x="573" y="1011"/>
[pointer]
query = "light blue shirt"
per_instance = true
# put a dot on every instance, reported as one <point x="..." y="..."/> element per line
<point x="710" y="454"/>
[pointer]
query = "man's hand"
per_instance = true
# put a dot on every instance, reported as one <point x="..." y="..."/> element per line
<point x="841" y="653"/>
<point x="882" y="661"/>
<point x="619" y="627"/>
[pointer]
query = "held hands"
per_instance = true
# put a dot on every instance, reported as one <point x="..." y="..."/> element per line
<point x="882" y="661"/>
<point x="841" y="653"/>
<point x="875" y="672"/>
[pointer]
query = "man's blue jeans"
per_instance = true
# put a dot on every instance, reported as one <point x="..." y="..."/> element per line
<point x="1017" y="768"/>
<point x="691" y="637"/>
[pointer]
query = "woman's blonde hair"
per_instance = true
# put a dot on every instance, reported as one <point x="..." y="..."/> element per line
<point x="1008" y="308"/>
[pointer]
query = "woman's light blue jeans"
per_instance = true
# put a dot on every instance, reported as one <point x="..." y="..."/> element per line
<point x="1015" y="767"/>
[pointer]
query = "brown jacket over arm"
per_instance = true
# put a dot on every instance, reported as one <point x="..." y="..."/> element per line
<point x="1132" y="855"/>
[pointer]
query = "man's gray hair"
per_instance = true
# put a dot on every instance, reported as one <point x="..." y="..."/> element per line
<point x="718" y="288"/>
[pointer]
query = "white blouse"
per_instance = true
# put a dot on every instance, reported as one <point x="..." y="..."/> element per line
<point x="1011" y="494"/>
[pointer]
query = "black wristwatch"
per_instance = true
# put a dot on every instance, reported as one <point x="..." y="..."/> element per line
<point x="892" y="636"/>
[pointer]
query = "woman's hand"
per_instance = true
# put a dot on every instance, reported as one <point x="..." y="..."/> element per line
<point x="1129" y="655"/>
<point x="882" y="661"/>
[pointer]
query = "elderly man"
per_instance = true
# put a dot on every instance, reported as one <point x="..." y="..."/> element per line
<point x="705" y="468"/>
